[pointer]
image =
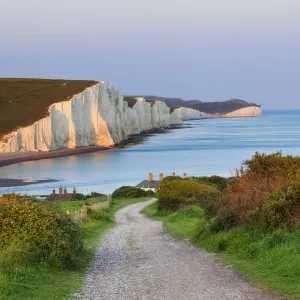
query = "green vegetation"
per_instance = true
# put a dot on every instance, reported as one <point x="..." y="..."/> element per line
<point x="31" y="267"/>
<point x="26" y="100"/>
<point x="74" y="205"/>
<point x="131" y="192"/>
<point x="253" y="223"/>
<point x="176" y="192"/>
<point x="215" y="181"/>
<point x="268" y="259"/>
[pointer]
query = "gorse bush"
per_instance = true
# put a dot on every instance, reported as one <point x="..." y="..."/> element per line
<point x="131" y="192"/>
<point x="175" y="193"/>
<point x="33" y="232"/>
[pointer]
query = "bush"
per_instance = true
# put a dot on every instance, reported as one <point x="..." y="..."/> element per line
<point x="177" y="193"/>
<point x="265" y="193"/>
<point x="33" y="232"/>
<point x="131" y="192"/>
<point x="273" y="165"/>
<point x="95" y="194"/>
<point x="273" y="212"/>
<point x="280" y="209"/>
<point x="80" y="196"/>
<point x="216" y="181"/>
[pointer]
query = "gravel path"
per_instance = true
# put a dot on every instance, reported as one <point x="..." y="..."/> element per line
<point x="137" y="261"/>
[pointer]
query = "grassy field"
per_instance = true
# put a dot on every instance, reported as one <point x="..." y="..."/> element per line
<point x="39" y="283"/>
<point x="74" y="205"/>
<point x="270" y="260"/>
<point x="26" y="100"/>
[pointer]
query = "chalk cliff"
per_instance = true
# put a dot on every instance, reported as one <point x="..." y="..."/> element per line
<point x="97" y="116"/>
<point x="252" y="111"/>
<point x="183" y="113"/>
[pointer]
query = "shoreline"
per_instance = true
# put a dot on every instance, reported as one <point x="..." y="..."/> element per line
<point x="9" y="182"/>
<point x="11" y="158"/>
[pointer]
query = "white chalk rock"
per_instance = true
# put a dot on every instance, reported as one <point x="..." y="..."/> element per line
<point x="99" y="116"/>
<point x="252" y="111"/>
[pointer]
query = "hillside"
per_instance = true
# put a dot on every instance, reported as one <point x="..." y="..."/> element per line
<point x="24" y="100"/>
<point x="221" y="107"/>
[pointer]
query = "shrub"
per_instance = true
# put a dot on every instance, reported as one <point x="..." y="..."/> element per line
<point x="273" y="212"/>
<point x="265" y="193"/>
<point x="95" y="194"/>
<point x="131" y="192"/>
<point x="177" y="193"/>
<point x="216" y="181"/>
<point x="33" y="232"/>
<point x="280" y="208"/>
<point x="273" y="165"/>
<point x="80" y="196"/>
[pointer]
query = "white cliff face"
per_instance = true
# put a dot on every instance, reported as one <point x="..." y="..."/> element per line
<point x="175" y="116"/>
<point x="189" y="113"/>
<point x="252" y="111"/>
<point x="142" y="111"/>
<point x="160" y="114"/>
<point x="97" y="116"/>
<point x="183" y="113"/>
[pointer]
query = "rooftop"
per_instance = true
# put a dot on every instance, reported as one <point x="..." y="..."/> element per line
<point x="149" y="184"/>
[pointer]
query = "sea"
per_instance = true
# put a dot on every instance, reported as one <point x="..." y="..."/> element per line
<point x="198" y="147"/>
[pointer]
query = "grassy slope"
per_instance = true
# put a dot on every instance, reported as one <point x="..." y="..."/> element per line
<point x="25" y="100"/>
<point x="45" y="283"/>
<point x="76" y="205"/>
<point x="270" y="260"/>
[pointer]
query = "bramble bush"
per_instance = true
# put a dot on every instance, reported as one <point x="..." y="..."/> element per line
<point x="34" y="232"/>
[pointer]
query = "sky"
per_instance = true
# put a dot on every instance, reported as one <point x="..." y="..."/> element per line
<point x="194" y="49"/>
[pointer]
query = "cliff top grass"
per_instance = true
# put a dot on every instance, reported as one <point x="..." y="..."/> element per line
<point x="24" y="101"/>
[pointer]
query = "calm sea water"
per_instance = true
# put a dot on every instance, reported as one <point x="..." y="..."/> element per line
<point x="201" y="147"/>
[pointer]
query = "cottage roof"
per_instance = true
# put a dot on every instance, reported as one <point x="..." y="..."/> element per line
<point x="149" y="184"/>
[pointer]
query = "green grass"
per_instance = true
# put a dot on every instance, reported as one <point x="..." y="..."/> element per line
<point x="119" y="203"/>
<point x="27" y="282"/>
<point x="268" y="259"/>
<point x="75" y="205"/>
